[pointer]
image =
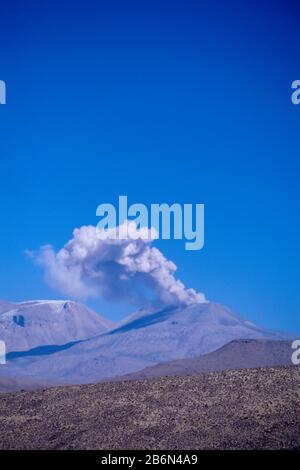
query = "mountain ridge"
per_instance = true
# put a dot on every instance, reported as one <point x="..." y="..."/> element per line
<point x="30" y="324"/>
<point x="146" y="339"/>
<point x="238" y="354"/>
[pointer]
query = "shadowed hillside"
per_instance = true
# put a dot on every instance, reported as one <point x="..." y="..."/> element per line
<point x="238" y="354"/>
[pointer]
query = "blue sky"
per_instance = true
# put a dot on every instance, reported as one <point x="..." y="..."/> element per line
<point x="176" y="101"/>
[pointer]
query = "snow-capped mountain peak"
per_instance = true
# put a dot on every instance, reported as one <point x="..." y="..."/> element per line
<point x="26" y="325"/>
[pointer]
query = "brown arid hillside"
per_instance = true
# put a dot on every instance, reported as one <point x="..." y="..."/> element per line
<point x="238" y="409"/>
<point x="238" y="354"/>
<point x="12" y="384"/>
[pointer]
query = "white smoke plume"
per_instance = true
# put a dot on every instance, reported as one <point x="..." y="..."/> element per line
<point x="127" y="269"/>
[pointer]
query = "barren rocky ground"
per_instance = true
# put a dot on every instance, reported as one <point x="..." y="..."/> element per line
<point x="238" y="409"/>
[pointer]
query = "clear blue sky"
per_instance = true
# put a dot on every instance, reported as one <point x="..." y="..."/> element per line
<point x="180" y="101"/>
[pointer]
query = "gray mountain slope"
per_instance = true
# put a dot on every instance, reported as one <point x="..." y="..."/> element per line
<point x="27" y="325"/>
<point x="238" y="354"/>
<point x="5" y="306"/>
<point x="145" y="340"/>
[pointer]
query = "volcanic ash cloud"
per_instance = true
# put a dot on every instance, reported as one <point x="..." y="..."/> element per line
<point x="127" y="268"/>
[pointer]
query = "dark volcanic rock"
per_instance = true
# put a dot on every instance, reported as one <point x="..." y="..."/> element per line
<point x="242" y="409"/>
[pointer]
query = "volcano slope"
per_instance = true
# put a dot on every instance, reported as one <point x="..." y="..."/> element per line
<point x="241" y="409"/>
<point x="143" y="340"/>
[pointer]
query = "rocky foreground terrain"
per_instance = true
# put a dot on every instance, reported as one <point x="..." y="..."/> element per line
<point x="241" y="409"/>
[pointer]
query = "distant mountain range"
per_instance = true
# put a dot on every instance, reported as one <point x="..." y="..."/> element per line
<point x="65" y="342"/>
